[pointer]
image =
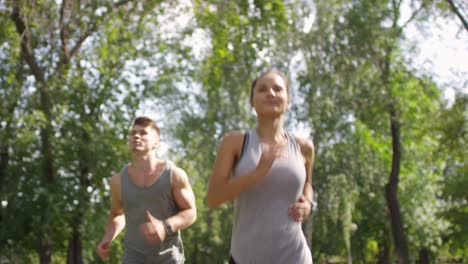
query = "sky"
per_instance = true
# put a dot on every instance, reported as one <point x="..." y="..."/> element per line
<point x="442" y="53"/>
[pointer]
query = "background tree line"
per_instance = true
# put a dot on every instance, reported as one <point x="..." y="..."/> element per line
<point x="390" y="174"/>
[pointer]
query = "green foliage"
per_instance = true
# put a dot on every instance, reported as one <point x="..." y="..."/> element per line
<point x="133" y="54"/>
<point x="354" y="75"/>
<point x="452" y="150"/>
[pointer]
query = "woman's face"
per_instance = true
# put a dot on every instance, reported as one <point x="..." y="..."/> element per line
<point x="270" y="95"/>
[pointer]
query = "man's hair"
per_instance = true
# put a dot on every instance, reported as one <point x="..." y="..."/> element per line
<point x="146" y="122"/>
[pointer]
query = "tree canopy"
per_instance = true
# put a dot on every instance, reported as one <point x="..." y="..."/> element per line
<point x="389" y="174"/>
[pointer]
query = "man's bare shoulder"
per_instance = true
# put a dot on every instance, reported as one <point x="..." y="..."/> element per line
<point x="179" y="176"/>
<point x="115" y="179"/>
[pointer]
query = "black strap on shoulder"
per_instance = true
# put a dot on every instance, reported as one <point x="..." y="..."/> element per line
<point x="245" y="142"/>
<point x="231" y="260"/>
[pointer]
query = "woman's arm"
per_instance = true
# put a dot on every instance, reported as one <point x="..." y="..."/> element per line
<point x="221" y="187"/>
<point x="302" y="208"/>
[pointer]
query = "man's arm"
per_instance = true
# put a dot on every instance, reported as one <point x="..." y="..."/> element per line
<point x="185" y="200"/>
<point x="116" y="221"/>
<point x="156" y="230"/>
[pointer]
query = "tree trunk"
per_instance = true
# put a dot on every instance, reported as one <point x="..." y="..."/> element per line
<point x="391" y="191"/>
<point x="4" y="160"/>
<point x="350" y="257"/>
<point x="74" y="247"/>
<point x="48" y="170"/>
<point x="423" y="256"/>
<point x="45" y="250"/>
<point x="383" y="257"/>
<point x="456" y="10"/>
<point x="74" y="253"/>
<point x="9" y="129"/>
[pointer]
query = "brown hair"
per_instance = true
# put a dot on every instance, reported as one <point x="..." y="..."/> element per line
<point x="280" y="73"/>
<point x="145" y="122"/>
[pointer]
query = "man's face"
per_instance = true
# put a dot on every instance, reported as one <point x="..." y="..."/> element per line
<point x="143" y="139"/>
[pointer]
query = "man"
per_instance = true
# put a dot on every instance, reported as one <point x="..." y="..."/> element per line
<point x="153" y="199"/>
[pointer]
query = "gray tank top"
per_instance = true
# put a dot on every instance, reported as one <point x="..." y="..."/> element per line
<point x="262" y="230"/>
<point x="158" y="199"/>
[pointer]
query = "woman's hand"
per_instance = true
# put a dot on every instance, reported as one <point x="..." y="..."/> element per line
<point x="300" y="210"/>
<point x="103" y="249"/>
<point x="270" y="153"/>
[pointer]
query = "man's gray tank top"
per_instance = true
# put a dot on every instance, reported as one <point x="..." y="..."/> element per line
<point x="262" y="231"/>
<point x="158" y="199"/>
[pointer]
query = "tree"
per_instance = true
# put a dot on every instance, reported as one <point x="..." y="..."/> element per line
<point x="452" y="125"/>
<point x="73" y="74"/>
<point x="77" y="53"/>
<point x="457" y="11"/>
<point x="359" y="82"/>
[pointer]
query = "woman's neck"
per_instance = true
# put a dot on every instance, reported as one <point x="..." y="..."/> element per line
<point x="270" y="130"/>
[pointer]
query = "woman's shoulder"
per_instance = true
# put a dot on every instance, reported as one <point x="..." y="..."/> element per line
<point x="306" y="144"/>
<point x="233" y="141"/>
<point x="233" y="136"/>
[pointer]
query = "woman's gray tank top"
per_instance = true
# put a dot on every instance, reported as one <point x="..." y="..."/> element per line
<point x="158" y="199"/>
<point x="262" y="231"/>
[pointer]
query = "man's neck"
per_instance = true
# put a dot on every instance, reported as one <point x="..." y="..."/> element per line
<point x="144" y="163"/>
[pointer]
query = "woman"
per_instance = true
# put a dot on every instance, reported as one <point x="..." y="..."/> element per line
<point x="271" y="181"/>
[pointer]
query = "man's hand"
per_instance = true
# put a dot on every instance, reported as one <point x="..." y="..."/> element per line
<point x="153" y="229"/>
<point x="103" y="249"/>
<point x="300" y="210"/>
